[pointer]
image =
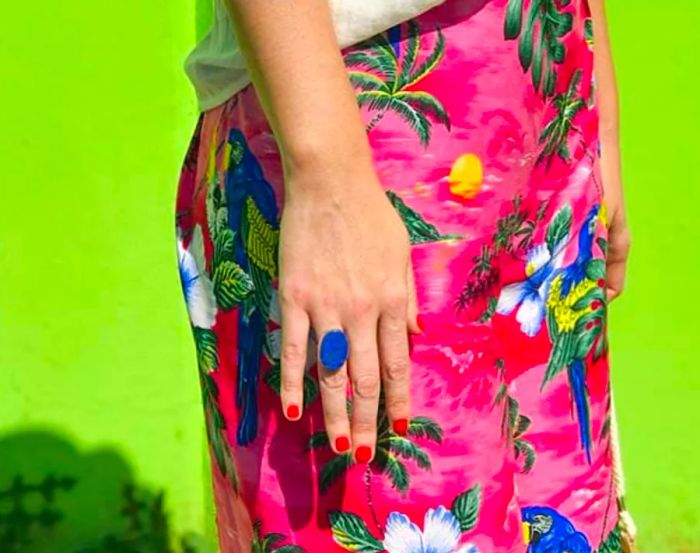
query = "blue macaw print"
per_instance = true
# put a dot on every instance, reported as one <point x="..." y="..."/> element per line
<point x="568" y="284"/>
<point x="555" y="293"/>
<point x="575" y="273"/>
<point x="252" y="211"/>
<point x="547" y="531"/>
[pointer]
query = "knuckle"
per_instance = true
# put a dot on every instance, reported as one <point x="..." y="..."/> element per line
<point x="334" y="381"/>
<point x="396" y="369"/>
<point x="293" y="293"/>
<point x="365" y="428"/>
<point x="335" y="420"/>
<point x="361" y="304"/>
<point x="293" y="354"/>
<point x="397" y="405"/>
<point x="366" y="386"/>
<point x="289" y="386"/>
<point x="396" y="298"/>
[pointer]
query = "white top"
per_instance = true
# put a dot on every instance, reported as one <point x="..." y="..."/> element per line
<point x="216" y="66"/>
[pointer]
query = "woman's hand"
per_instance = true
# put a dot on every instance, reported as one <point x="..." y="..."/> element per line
<point x="345" y="264"/>
<point x="619" y="242"/>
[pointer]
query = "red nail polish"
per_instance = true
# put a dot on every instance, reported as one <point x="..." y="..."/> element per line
<point x="342" y="444"/>
<point x="420" y="321"/>
<point x="293" y="412"/>
<point x="400" y="426"/>
<point x="363" y="454"/>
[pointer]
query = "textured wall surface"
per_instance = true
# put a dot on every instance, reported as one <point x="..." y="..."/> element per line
<point x="97" y="380"/>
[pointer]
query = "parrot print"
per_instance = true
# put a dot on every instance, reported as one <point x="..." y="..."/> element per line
<point x="483" y="129"/>
<point x="253" y="217"/>
<point x="547" y="531"/>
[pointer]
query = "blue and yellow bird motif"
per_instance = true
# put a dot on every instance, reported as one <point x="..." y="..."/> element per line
<point x="253" y="217"/>
<point x="547" y="531"/>
<point x="571" y="300"/>
<point x="573" y="295"/>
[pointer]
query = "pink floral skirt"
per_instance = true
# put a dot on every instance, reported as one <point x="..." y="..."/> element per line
<point x="483" y="128"/>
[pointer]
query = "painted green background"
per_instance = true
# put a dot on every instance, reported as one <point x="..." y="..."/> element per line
<point x="97" y="375"/>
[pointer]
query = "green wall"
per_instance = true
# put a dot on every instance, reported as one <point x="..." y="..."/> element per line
<point x="97" y="377"/>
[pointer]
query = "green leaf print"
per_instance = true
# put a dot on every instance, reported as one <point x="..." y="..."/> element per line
<point x="554" y="137"/>
<point x="423" y="427"/>
<point x="216" y="429"/>
<point x="260" y="239"/>
<point x="561" y="356"/>
<point x="273" y="378"/>
<point x="268" y="544"/>
<point x="207" y="355"/>
<point x="394" y="469"/>
<point x="383" y="78"/>
<point x="525" y="449"/>
<point x="513" y="427"/>
<point x="601" y="347"/>
<point x="559" y="228"/>
<point x="390" y="453"/>
<point x="334" y="469"/>
<point x="588" y="32"/>
<point x="224" y="245"/>
<point x="514" y="19"/>
<point x="231" y="285"/>
<point x="603" y="245"/>
<point x="595" y="269"/>
<point x="350" y="532"/>
<point x="420" y="231"/>
<point x="585" y="341"/>
<point x="594" y="294"/>
<point x="466" y="508"/>
<point x="540" y="46"/>
<point x="612" y="543"/>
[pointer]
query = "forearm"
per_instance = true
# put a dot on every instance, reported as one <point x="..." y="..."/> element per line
<point x="608" y="109"/>
<point x="300" y="78"/>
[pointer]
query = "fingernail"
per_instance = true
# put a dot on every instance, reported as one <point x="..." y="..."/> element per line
<point x="293" y="412"/>
<point x="420" y="321"/>
<point x="400" y="426"/>
<point x="363" y="454"/>
<point x="342" y="444"/>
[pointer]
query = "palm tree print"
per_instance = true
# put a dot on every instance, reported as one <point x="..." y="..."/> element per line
<point x="513" y="427"/>
<point x="554" y="138"/>
<point x="513" y="236"/>
<point x="385" y="76"/>
<point x="540" y="46"/>
<point x="390" y="453"/>
<point x="269" y="542"/>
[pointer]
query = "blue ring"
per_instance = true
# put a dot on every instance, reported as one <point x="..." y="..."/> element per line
<point x="333" y="351"/>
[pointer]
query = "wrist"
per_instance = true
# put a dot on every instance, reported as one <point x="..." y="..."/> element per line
<point x="331" y="174"/>
<point x="320" y="151"/>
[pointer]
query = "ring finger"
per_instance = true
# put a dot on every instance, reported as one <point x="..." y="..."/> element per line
<point x="333" y="381"/>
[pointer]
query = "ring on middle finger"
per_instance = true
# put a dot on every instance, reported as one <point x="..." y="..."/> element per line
<point x="333" y="349"/>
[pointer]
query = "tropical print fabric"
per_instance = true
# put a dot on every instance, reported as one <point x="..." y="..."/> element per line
<point x="483" y="126"/>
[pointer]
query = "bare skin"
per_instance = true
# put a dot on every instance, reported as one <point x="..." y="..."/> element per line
<point x="344" y="251"/>
<point x="608" y="107"/>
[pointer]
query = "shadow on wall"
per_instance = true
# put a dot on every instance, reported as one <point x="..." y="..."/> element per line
<point x="55" y="498"/>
